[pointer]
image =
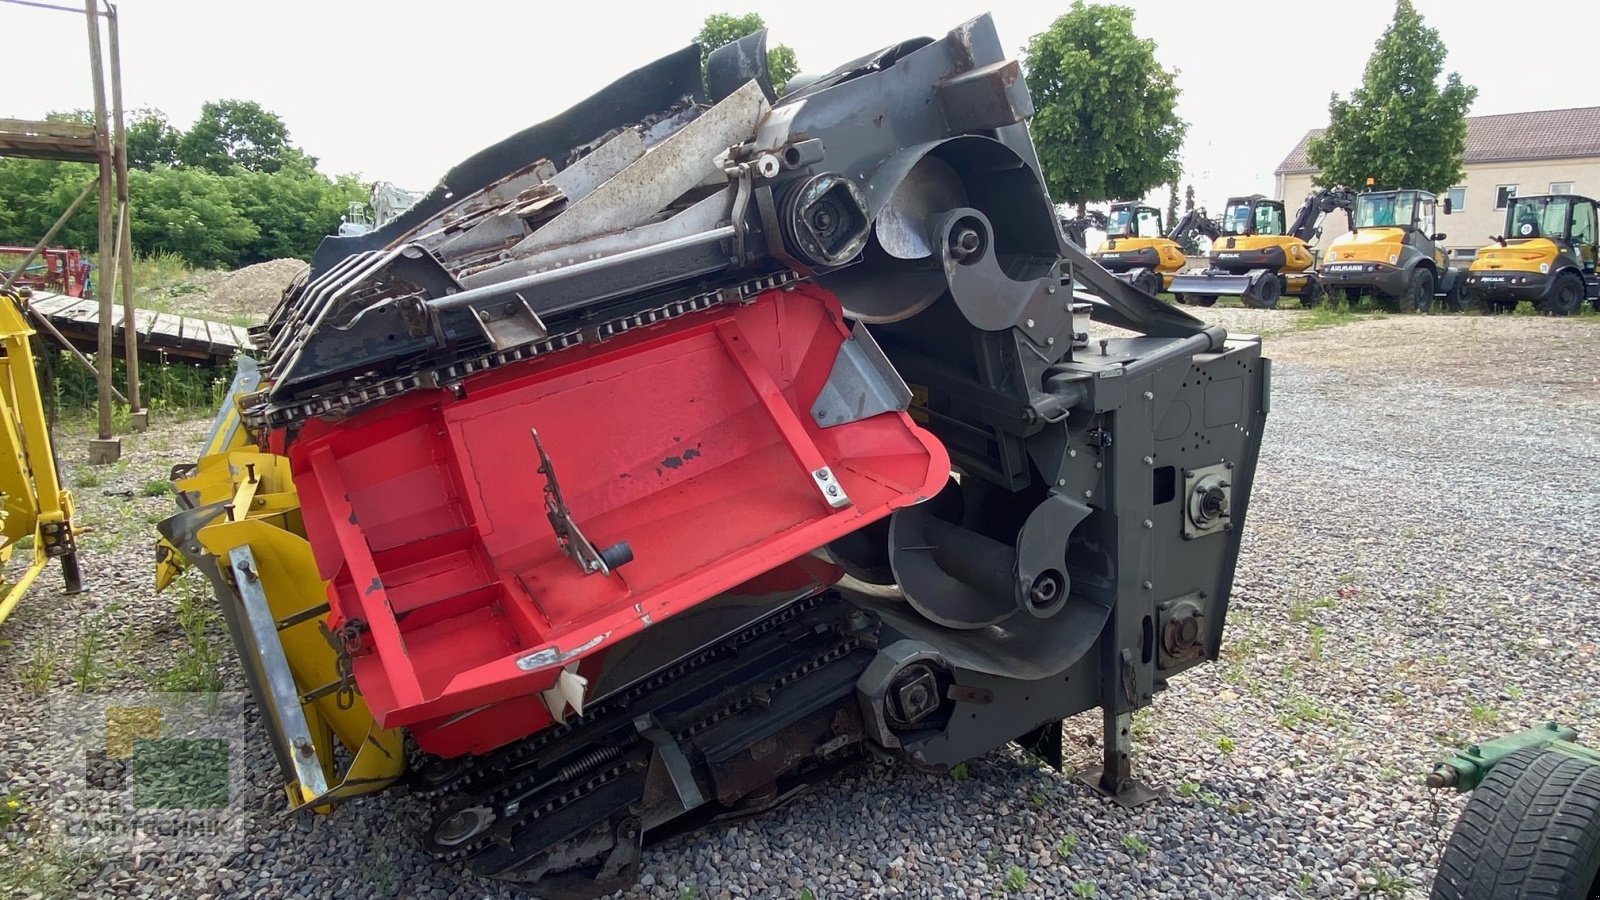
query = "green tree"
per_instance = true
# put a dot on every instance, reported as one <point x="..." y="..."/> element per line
<point x="152" y="141"/>
<point x="293" y="210"/>
<point x="1188" y="198"/>
<point x="239" y="133"/>
<point x="722" y="28"/>
<point x="1172" y="205"/>
<point x="1106" y="122"/>
<point x="190" y="212"/>
<point x="1401" y="128"/>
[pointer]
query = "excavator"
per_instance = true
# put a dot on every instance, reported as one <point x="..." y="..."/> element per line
<point x="688" y="448"/>
<point x="1392" y="253"/>
<point x="1546" y="256"/>
<point x="1258" y="258"/>
<point x="1138" y="252"/>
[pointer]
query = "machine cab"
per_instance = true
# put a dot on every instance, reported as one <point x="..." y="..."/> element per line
<point x="1397" y="209"/>
<point x="1565" y="219"/>
<point x="1128" y="220"/>
<point x="1253" y="215"/>
<point x="1412" y="211"/>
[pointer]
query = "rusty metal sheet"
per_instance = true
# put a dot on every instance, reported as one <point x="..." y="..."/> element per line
<point x="661" y="176"/>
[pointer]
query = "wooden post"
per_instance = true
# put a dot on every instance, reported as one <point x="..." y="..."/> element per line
<point x="105" y="448"/>
<point x="130" y="331"/>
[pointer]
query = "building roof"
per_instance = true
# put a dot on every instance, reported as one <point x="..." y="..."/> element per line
<point x="1543" y="134"/>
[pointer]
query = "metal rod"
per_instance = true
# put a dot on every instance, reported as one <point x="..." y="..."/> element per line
<point x="500" y="289"/>
<point x="102" y="142"/>
<point x="130" y="333"/>
<point x="50" y="235"/>
<point x="37" y="5"/>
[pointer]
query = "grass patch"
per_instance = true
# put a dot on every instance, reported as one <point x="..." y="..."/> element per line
<point x="1068" y="845"/>
<point x="1387" y="883"/>
<point x="157" y="487"/>
<point x="1084" y="889"/>
<point x="85" y="667"/>
<point x="1135" y="845"/>
<point x="39" y="672"/>
<point x="1016" y="880"/>
<point x="1302" y="610"/>
<point x="198" y="667"/>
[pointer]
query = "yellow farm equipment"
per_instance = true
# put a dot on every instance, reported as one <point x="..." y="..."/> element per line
<point x="34" y="504"/>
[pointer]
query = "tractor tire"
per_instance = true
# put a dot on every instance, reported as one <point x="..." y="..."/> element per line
<point x="1531" y="830"/>
<point x="1203" y="299"/>
<point x="1351" y="298"/>
<point x="1313" y="295"/>
<point x="1148" y="281"/>
<point x="1456" y="300"/>
<point x="1419" y="292"/>
<point x="1266" y="295"/>
<point x="1566" y="296"/>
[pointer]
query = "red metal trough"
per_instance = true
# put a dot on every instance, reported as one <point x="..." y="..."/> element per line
<point x="427" y="515"/>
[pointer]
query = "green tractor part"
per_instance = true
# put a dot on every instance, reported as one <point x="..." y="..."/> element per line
<point x="1532" y="826"/>
<point x="1467" y="768"/>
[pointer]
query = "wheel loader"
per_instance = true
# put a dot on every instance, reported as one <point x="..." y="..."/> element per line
<point x="1393" y="255"/>
<point x="1546" y="256"/>
<point x="1260" y="259"/>
<point x="687" y="448"/>
<point x="1137" y="251"/>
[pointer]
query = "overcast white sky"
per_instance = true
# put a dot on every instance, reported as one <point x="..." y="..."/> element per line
<point x="402" y="91"/>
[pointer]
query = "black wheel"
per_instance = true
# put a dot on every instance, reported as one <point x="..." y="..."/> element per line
<point x="1456" y="298"/>
<point x="1313" y="294"/>
<point x="1148" y="281"/>
<point x="1203" y="299"/>
<point x="1352" y="298"/>
<point x="1266" y="294"/>
<point x="1566" y="296"/>
<point x="1531" y="830"/>
<point x="1419" y="291"/>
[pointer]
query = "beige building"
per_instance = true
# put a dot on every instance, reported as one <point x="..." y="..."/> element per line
<point x="1553" y="151"/>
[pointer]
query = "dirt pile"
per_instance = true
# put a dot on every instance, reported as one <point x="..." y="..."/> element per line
<point x="243" y="296"/>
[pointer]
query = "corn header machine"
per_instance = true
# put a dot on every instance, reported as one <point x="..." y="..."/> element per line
<point x="680" y="450"/>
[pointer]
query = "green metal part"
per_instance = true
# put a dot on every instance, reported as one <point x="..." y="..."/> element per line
<point x="1466" y="770"/>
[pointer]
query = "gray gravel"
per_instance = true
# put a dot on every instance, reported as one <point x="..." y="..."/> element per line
<point x="1416" y="573"/>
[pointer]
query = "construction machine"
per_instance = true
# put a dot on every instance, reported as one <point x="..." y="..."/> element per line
<point x="1260" y="259"/>
<point x="688" y="447"/>
<point x="1077" y="228"/>
<point x="34" y="507"/>
<point x="1546" y="256"/>
<point x="1137" y="250"/>
<point x="1392" y="253"/>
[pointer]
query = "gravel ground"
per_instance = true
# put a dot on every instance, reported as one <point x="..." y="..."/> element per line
<point x="1415" y="573"/>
